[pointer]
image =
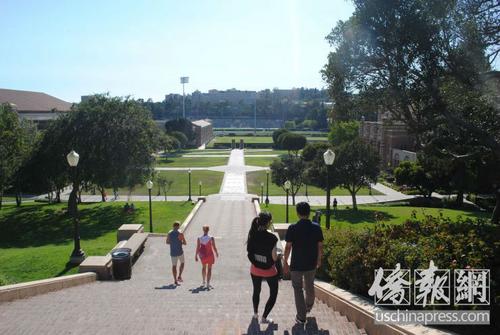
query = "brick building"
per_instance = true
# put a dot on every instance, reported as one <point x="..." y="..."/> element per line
<point x="204" y="132"/>
<point x="389" y="138"/>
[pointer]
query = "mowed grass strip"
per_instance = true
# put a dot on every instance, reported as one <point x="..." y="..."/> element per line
<point x="246" y="139"/>
<point x="366" y="216"/>
<point x="211" y="183"/>
<point x="255" y="178"/>
<point x="36" y="239"/>
<point x="179" y="161"/>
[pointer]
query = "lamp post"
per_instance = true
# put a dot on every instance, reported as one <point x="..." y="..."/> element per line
<point x="189" y="173"/>
<point x="267" y="188"/>
<point x="149" y="185"/>
<point x="287" y="186"/>
<point x="329" y="157"/>
<point x="261" y="192"/>
<point x="199" y="184"/>
<point x="78" y="255"/>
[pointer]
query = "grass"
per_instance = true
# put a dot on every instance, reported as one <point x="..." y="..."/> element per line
<point x="246" y="139"/>
<point x="179" y="161"/>
<point x="255" y="178"/>
<point x="317" y="139"/>
<point x="367" y="215"/>
<point x="36" y="239"/>
<point x="211" y="183"/>
<point x="259" y="161"/>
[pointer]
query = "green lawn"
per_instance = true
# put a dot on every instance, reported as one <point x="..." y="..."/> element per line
<point x="255" y="178"/>
<point x="246" y="139"/>
<point x="178" y="161"/>
<point x="264" y="152"/>
<point x="366" y="215"/>
<point x="37" y="239"/>
<point x="259" y="161"/>
<point x="317" y="139"/>
<point x="211" y="183"/>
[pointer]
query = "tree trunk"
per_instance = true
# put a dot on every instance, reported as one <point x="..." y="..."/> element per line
<point x="79" y="196"/>
<point x="18" y="199"/>
<point x="293" y="199"/>
<point x="495" y="217"/>
<point x="354" y="203"/>
<point x="58" y="196"/>
<point x="1" y="198"/>
<point x="103" y="195"/>
<point x="459" y="202"/>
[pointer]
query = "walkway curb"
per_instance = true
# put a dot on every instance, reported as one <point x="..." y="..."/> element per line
<point x="191" y="215"/>
<point x="37" y="287"/>
<point x="361" y="312"/>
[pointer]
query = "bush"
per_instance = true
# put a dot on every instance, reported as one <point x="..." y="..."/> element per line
<point x="180" y="137"/>
<point x="277" y="134"/>
<point x="292" y="141"/>
<point x="4" y="280"/>
<point x="351" y="256"/>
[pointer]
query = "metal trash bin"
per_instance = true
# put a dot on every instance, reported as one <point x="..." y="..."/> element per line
<point x="122" y="263"/>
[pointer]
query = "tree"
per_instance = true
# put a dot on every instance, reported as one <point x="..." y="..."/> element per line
<point x="164" y="185"/>
<point x="292" y="142"/>
<point x="288" y="168"/>
<point x="183" y="125"/>
<point x="311" y="150"/>
<point x="343" y="131"/>
<point x="168" y="142"/>
<point x="423" y="61"/>
<point x="17" y="138"/>
<point x="355" y="166"/>
<point x="276" y="134"/>
<point x="180" y="137"/>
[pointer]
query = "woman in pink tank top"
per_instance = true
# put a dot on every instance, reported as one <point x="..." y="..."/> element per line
<point x="205" y="249"/>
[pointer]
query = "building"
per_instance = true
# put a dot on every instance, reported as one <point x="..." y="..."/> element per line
<point x="35" y="106"/>
<point x="204" y="132"/>
<point x="389" y="138"/>
<point x="232" y="96"/>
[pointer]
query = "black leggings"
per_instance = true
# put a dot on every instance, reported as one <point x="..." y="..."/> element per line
<point x="273" y="293"/>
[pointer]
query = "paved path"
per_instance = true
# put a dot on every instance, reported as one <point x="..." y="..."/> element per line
<point x="150" y="304"/>
<point x="235" y="181"/>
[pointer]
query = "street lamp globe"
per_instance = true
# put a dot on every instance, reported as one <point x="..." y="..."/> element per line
<point x="329" y="157"/>
<point x="73" y="158"/>
<point x="200" y="183"/>
<point x="149" y="184"/>
<point x="287" y="185"/>
<point x="189" y="171"/>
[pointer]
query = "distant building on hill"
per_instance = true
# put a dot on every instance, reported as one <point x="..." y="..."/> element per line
<point x="389" y="138"/>
<point x="35" y="106"/>
<point x="233" y="96"/>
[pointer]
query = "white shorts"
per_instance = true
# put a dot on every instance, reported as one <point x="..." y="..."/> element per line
<point x="175" y="259"/>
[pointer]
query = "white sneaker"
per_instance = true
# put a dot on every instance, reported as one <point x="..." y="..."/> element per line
<point x="266" y="320"/>
<point x="255" y="316"/>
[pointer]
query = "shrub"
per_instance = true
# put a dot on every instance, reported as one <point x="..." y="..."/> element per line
<point x="4" y="280"/>
<point x="351" y="256"/>
<point x="292" y="142"/>
<point x="277" y="134"/>
<point x="180" y="137"/>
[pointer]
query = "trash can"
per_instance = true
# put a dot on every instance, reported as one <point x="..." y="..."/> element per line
<point x="122" y="263"/>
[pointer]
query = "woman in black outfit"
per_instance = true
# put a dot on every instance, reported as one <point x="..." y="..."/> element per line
<point x="261" y="248"/>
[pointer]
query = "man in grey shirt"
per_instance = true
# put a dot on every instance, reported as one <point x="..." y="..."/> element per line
<point x="176" y="239"/>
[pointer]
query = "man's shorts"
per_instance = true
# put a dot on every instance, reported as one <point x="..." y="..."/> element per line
<point x="175" y="259"/>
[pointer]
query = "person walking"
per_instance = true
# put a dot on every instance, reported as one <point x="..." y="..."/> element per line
<point x="262" y="253"/>
<point x="305" y="240"/>
<point x="176" y="240"/>
<point x="205" y="249"/>
<point x="334" y="205"/>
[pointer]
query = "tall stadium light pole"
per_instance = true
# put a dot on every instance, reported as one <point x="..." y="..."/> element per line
<point x="184" y="80"/>
<point x="78" y="255"/>
<point x="149" y="185"/>
<point x="189" y="173"/>
<point x="267" y="188"/>
<point x="329" y="157"/>
<point x="255" y="115"/>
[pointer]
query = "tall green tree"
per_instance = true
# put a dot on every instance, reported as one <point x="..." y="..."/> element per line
<point x="356" y="165"/>
<point x="343" y="131"/>
<point x="290" y="168"/>
<point x="16" y="141"/>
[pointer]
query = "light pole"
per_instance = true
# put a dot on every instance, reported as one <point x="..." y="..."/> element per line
<point x="287" y="186"/>
<point x="184" y="80"/>
<point x="329" y="157"/>
<point x="149" y="185"/>
<point x="255" y="115"/>
<point x="267" y="188"/>
<point x="199" y="184"/>
<point x="78" y="255"/>
<point x="261" y="192"/>
<point x="189" y="173"/>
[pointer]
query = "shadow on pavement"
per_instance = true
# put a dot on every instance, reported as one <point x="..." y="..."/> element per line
<point x="167" y="287"/>
<point x="255" y="329"/>
<point x="311" y="327"/>
<point x="198" y="289"/>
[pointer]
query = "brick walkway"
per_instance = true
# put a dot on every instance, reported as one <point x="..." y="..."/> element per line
<point x="149" y="303"/>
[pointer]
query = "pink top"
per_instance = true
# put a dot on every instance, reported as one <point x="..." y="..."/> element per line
<point x="271" y="272"/>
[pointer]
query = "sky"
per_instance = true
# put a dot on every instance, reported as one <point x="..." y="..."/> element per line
<point x="141" y="48"/>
